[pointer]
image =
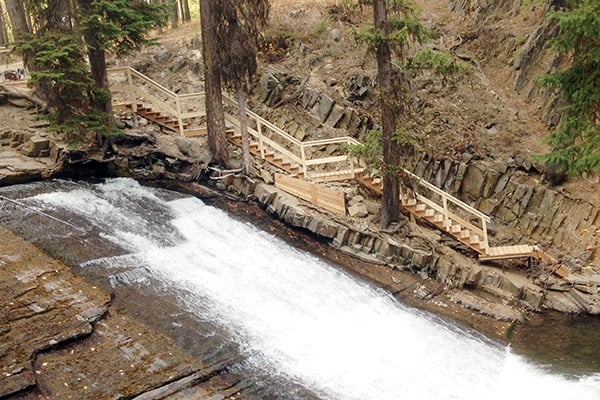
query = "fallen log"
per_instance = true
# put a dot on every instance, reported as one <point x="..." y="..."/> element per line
<point x="8" y="94"/>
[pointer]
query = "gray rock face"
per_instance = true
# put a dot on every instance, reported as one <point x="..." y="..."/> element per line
<point x="38" y="292"/>
<point x="323" y="107"/>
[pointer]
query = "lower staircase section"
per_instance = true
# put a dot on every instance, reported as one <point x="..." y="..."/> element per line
<point x="460" y="227"/>
<point x="170" y="123"/>
<point x="157" y="117"/>
<point x="268" y="154"/>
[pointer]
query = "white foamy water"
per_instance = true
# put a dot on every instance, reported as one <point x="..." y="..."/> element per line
<point x="299" y="317"/>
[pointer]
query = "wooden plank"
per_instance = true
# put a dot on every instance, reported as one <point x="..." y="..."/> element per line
<point x="195" y="132"/>
<point x="329" y="199"/>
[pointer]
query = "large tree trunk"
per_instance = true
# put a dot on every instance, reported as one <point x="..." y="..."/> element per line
<point x="215" y="119"/>
<point x="18" y="17"/>
<point x="97" y="59"/>
<point x="241" y="98"/>
<point x="3" y="31"/>
<point x="175" y="14"/>
<point x="186" y="15"/>
<point x="390" y="211"/>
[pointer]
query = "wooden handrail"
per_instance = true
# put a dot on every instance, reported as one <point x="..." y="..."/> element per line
<point x="448" y="196"/>
<point x="448" y="216"/>
<point x="337" y="140"/>
<point x="155" y="84"/>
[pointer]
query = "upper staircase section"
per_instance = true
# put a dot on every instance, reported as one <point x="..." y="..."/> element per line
<point x="147" y="98"/>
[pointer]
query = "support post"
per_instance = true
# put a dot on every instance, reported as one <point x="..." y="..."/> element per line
<point x="131" y="97"/>
<point x="485" y="235"/>
<point x="303" y="157"/>
<point x="261" y="146"/>
<point x="179" y="119"/>
<point x="446" y="219"/>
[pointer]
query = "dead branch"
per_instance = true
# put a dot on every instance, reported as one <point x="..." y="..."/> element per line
<point x="226" y="173"/>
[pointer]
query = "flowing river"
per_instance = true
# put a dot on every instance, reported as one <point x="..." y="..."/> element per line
<point x="293" y="315"/>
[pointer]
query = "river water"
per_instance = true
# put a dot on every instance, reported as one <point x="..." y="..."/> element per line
<point x="293" y="315"/>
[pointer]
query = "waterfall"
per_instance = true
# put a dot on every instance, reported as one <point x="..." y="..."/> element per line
<point x="296" y="316"/>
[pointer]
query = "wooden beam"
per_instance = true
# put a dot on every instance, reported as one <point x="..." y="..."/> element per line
<point x="329" y="199"/>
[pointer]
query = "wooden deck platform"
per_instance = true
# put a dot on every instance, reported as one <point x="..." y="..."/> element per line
<point x="506" y="252"/>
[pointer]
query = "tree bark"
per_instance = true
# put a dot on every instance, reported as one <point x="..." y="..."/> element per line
<point x="97" y="59"/>
<point x="390" y="210"/>
<point x="3" y="31"/>
<point x="215" y="119"/>
<point x="186" y="15"/>
<point x="175" y="14"/>
<point x="18" y="17"/>
<point x="241" y="98"/>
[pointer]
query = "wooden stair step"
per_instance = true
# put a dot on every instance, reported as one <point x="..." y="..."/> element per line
<point x="455" y="229"/>
<point x="420" y="208"/>
<point x="438" y="218"/>
<point x="429" y="213"/>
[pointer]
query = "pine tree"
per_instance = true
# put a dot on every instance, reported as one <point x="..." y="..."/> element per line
<point x="120" y="26"/>
<point x="65" y="32"/>
<point x="576" y="140"/>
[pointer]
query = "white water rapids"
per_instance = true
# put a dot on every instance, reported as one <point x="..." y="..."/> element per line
<point x="301" y="318"/>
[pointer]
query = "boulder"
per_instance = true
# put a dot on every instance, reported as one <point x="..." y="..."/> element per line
<point x="358" y="210"/>
<point x="34" y="146"/>
<point x="323" y="107"/>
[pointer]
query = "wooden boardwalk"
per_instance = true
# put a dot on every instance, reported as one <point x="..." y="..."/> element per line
<point x="300" y="160"/>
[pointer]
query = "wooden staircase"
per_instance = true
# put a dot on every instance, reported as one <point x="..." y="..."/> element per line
<point x="439" y="215"/>
<point x="269" y="154"/>
<point x="136" y="92"/>
<point x="157" y="117"/>
<point x="419" y="206"/>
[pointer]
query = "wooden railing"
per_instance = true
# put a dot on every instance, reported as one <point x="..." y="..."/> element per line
<point x="447" y="201"/>
<point x="138" y="88"/>
<point x="267" y="135"/>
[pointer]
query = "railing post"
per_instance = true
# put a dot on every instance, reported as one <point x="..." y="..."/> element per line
<point x="446" y="219"/>
<point x="131" y="97"/>
<point x="261" y="146"/>
<point x="303" y="157"/>
<point x="351" y="162"/>
<point x="179" y="119"/>
<point x="485" y="234"/>
<point x="131" y="93"/>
